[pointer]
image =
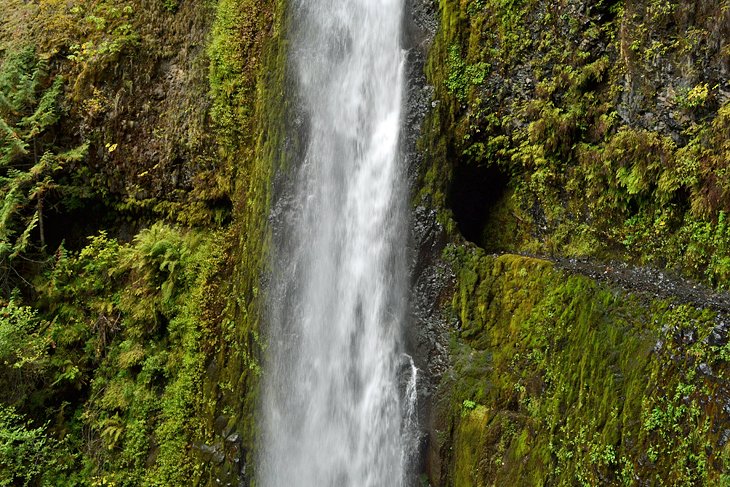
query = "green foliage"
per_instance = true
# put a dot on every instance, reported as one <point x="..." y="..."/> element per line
<point x="24" y="347"/>
<point x="21" y="79"/>
<point x="543" y="96"/>
<point x="161" y="255"/>
<point x="461" y="75"/>
<point x="135" y="322"/>
<point x="170" y="5"/>
<point x="20" y="343"/>
<point x="28" y="455"/>
<point x="102" y="32"/>
<point x="29" y="161"/>
<point x="468" y="405"/>
<point x="691" y="98"/>
<point x="130" y="349"/>
<point x="561" y="381"/>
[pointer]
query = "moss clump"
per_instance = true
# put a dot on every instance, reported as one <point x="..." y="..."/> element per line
<point x="558" y="380"/>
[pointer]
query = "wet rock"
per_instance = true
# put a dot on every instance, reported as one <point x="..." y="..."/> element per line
<point x="208" y="453"/>
<point x="705" y="369"/>
<point x="159" y="93"/>
<point x="689" y="336"/>
<point x="658" y="284"/>
<point x="220" y="424"/>
<point x="212" y="370"/>
<point x="218" y="457"/>
<point x="719" y="335"/>
<point x="724" y="438"/>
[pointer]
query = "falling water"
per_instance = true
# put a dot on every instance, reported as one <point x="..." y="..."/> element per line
<point x="339" y="393"/>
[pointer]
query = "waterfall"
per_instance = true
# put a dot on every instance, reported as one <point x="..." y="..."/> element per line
<point x="338" y="405"/>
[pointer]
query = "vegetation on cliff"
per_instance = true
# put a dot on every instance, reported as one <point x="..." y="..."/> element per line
<point x="595" y="130"/>
<point x="557" y="380"/>
<point x="136" y="147"/>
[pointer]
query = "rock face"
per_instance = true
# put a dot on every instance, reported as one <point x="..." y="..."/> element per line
<point x="151" y="167"/>
<point x="589" y="128"/>
<point x="432" y="280"/>
<point x="557" y="379"/>
<point x="588" y="133"/>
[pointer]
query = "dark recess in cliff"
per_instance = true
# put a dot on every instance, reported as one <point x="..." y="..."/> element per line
<point x="475" y="189"/>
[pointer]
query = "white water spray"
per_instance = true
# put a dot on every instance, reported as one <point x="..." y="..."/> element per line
<point x="339" y="394"/>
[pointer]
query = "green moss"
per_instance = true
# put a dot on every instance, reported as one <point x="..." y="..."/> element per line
<point x="468" y="442"/>
<point x="568" y="384"/>
<point x="248" y="63"/>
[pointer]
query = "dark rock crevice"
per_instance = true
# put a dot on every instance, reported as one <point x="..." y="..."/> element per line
<point x="475" y="190"/>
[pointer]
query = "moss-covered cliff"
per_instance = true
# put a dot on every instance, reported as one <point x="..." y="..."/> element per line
<point x="591" y="130"/>
<point x="577" y="128"/>
<point x="557" y="380"/>
<point x="138" y="143"/>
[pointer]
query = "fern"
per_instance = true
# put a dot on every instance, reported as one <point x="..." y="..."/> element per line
<point x="46" y="113"/>
<point x="20" y="79"/>
<point x="11" y="145"/>
<point x="28" y="109"/>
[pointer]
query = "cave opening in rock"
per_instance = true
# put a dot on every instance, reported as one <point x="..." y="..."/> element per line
<point x="475" y="190"/>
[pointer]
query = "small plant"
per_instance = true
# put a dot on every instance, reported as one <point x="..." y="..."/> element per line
<point x="29" y="160"/>
<point x="170" y="5"/>
<point x="468" y="405"/>
<point x="691" y="98"/>
<point x="652" y="454"/>
<point x="463" y="75"/>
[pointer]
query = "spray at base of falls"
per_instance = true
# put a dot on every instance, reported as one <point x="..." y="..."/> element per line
<point x="339" y="403"/>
